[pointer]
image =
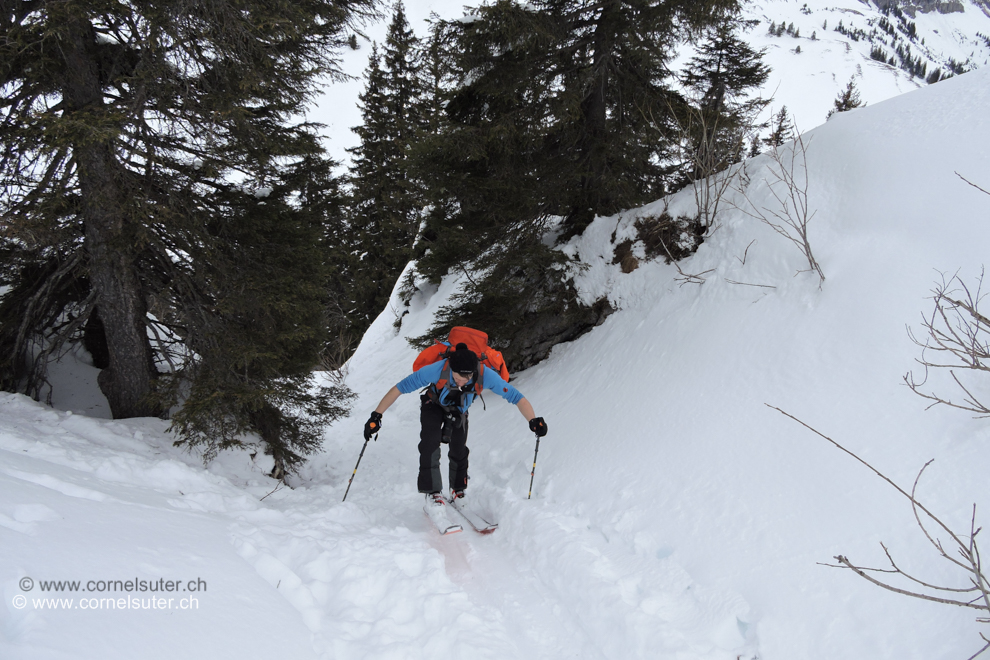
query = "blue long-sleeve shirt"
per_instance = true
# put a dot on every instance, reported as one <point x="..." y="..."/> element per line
<point x="430" y="374"/>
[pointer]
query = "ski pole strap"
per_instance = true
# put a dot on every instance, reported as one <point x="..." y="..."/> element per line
<point x="533" y="473"/>
<point x="360" y="456"/>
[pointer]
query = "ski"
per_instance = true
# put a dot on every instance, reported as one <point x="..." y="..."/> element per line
<point x="438" y="517"/>
<point x="478" y="522"/>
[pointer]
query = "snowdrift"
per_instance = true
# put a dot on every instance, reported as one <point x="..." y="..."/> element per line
<point x="674" y="515"/>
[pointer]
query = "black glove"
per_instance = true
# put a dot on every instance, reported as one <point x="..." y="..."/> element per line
<point x="373" y="425"/>
<point x="538" y="426"/>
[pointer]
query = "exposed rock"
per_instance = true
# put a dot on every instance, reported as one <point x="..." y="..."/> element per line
<point x="912" y="7"/>
<point x="541" y="332"/>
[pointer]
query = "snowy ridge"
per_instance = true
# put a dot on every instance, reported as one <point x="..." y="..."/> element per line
<point x="674" y="515"/>
<point x="806" y="82"/>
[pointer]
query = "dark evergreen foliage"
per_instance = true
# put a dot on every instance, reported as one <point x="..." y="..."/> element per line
<point x="261" y="335"/>
<point x="155" y="184"/>
<point x="847" y="99"/>
<point x="720" y="117"/>
<point x="563" y="111"/>
<point x="725" y="69"/>
<point x="781" y="129"/>
<point x="877" y="53"/>
<point x="386" y="201"/>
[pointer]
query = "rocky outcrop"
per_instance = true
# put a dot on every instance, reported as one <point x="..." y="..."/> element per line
<point x="912" y="7"/>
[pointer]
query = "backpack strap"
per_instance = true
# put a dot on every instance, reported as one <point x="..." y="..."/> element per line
<point x="479" y="380"/>
<point x="444" y="375"/>
<point x="433" y="390"/>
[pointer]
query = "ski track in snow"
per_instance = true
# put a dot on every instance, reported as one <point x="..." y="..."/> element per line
<point x="369" y="578"/>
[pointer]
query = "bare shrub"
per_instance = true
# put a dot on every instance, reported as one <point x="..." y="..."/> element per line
<point x="787" y="181"/>
<point x="961" y="550"/>
<point x="957" y="338"/>
<point x="667" y="237"/>
<point x="711" y="152"/>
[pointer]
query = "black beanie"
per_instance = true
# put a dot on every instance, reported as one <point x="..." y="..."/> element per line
<point x="463" y="360"/>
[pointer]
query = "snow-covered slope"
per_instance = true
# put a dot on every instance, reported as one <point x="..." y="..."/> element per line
<point x="674" y="515"/>
<point x="806" y="82"/>
<point x="835" y="44"/>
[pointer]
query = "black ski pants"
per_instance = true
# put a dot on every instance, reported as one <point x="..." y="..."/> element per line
<point x="437" y="425"/>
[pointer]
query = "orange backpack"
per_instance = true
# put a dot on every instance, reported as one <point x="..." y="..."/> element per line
<point x="477" y="341"/>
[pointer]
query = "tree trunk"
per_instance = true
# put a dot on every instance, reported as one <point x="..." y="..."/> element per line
<point x="109" y="236"/>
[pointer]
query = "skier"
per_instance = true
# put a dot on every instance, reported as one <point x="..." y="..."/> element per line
<point x="444" y="416"/>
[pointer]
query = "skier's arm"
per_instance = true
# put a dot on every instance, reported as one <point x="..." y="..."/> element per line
<point x="389" y="399"/>
<point x="410" y="383"/>
<point x="495" y="383"/>
<point x="526" y="409"/>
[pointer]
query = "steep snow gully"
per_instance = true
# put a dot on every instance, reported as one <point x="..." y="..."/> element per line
<point x="674" y="514"/>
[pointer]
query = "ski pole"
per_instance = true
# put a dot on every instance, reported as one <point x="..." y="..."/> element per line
<point x="531" y="474"/>
<point x="360" y="456"/>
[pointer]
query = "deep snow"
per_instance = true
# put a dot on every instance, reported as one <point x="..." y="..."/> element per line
<point x="674" y="515"/>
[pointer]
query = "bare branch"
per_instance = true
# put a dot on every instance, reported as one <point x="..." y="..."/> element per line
<point x="972" y="184"/>
<point x="897" y="569"/>
<point x="980" y="652"/>
<point x="788" y="185"/>
<point x="712" y="149"/>
<point x="765" y="286"/>
<point x="960" y="332"/>
<point x="746" y="253"/>
<point x="968" y="551"/>
<point x="862" y="573"/>
<point x="685" y="278"/>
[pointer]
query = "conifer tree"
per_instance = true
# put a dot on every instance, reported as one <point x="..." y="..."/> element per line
<point x="754" y="147"/>
<point x="155" y="185"/>
<point x="614" y="61"/>
<point x="367" y="206"/>
<point x="847" y="99"/>
<point x="561" y="112"/>
<point x="721" y="75"/>
<point x="488" y="196"/>
<point x="437" y="76"/>
<point x="781" y="129"/>
<point x="386" y="201"/>
<point x="593" y="79"/>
